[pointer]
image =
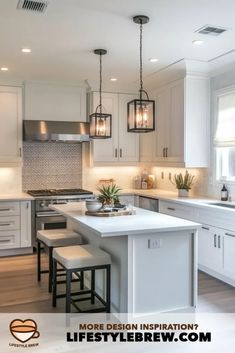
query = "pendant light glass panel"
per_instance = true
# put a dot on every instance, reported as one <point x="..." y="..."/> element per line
<point x="141" y="115"/>
<point x="100" y="125"/>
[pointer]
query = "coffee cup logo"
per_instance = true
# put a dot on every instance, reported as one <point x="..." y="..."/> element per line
<point x="24" y="330"/>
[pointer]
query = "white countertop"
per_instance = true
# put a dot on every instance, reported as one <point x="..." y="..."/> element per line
<point x="21" y="196"/>
<point x="143" y="222"/>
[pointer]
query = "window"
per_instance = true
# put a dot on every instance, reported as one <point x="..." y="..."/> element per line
<point x="224" y="139"/>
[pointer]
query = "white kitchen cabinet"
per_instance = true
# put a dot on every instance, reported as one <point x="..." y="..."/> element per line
<point x="123" y="147"/>
<point x="11" y="126"/>
<point x="181" y="137"/>
<point x="210" y="248"/>
<point x="55" y="102"/>
<point x="15" y="228"/>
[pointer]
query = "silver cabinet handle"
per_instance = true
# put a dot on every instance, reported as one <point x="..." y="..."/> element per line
<point x="163" y="152"/>
<point x="20" y="152"/>
<point x="171" y="208"/>
<point x="5" y="224"/>
<point x="215" y="240"/>
<point x="230" y="235"/>
<point x="206" y="228"/>
<point x="219" y="245"/>
<point x="4" y="209"/>
<point x="166" y="152"/>
<point x="5" y="240"/>
<point x="115" y="152"/>
<point x="120" y="152"/>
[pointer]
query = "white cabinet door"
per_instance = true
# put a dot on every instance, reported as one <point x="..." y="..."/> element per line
<point x="56" y="102"/>
<point x="128" y="142"/>
<point x="26" y="234"/>
<point x="175" y="145"/>
<point x="11" y="125"/>
<point x="229" y="254"/>
<point x="106" y="150"/>
<point x="210" y="248"/>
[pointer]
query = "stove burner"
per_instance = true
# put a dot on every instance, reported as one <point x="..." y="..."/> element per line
<point x="58" y="192"/>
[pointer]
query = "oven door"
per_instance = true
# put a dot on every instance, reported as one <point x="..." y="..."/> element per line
<point x="49" y="220"/>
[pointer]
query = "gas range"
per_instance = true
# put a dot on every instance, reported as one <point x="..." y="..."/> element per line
<point x="45" y="197"/>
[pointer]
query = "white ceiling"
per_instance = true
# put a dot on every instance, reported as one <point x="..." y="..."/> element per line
<point x="62" y="39"/>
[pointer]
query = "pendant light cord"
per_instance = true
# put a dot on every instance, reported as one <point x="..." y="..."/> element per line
<point x="141" y="63"/>
<point x="100" y="83"/>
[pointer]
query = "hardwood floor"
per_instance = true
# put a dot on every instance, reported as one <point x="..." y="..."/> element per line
<point x="20" y="291"/>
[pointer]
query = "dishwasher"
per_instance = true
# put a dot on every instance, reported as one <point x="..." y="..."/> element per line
<point x="148" y="203"/>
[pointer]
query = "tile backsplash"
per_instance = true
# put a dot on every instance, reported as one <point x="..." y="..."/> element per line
<point x="52" y="165"/>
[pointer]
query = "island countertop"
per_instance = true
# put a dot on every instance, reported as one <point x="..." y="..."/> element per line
<point x="143" y="221"/>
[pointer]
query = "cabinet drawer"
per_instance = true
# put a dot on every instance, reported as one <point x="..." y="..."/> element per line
<point x="9" y="223"/>
<point x="219" y="218"/>
<point x="9" y="208"/>
<point x="176" y="210"/>
<point x="9" y="239"/>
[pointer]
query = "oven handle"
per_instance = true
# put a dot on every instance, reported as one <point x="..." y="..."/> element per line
<point x="48" y="214"/>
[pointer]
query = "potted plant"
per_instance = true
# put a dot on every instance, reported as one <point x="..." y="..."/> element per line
<point x="183" y="183"/>
<point x="109" y="195"/>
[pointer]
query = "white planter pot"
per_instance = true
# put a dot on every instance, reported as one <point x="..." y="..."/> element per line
<point x="182" y="193"/>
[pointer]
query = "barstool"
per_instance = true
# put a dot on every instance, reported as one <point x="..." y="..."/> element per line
<point x="79" y="259"/>
<point x="50" y="239"/>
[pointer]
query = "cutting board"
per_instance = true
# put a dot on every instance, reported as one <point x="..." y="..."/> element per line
<point x="111" y="214"/>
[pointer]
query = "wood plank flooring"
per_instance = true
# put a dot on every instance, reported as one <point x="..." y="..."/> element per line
<point x="20" y="291"/>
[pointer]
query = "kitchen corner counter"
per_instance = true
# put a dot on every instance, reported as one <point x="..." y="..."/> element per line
<point x="21" y="196"/>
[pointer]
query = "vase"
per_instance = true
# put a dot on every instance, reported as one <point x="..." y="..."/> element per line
<point x="183" y="193"/>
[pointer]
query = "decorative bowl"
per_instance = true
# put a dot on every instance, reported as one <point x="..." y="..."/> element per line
<point x="93" y="205"/>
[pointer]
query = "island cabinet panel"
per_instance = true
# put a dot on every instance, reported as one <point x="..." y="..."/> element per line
<point x="160" y="268"/>
<point x="11" y="126"/>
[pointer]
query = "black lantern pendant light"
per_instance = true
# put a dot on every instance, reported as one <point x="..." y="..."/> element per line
<point x="100" y="122"/>
<point x="141" y="112"/>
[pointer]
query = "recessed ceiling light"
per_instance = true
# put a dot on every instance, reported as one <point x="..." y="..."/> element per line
<point x="153" y="60"/>
<point x="26" y="50"/>
<point x="198" y="42"/>
<point x="4" y="68"/>
<point x="113" y="79"/>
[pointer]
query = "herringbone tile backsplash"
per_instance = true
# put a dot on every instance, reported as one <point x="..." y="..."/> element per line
<point x="52" y="165"/>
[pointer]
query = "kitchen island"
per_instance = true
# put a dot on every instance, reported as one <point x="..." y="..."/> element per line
<point x="154" y="258"/>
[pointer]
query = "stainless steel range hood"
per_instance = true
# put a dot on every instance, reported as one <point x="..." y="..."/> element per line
<point x="55" y="131"/>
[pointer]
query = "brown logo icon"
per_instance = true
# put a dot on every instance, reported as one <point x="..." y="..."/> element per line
<point x="24" y="330"/>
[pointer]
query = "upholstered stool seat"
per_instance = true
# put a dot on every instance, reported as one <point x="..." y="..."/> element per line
<point x="79" y="259"/>
<point x="51" y="238"/>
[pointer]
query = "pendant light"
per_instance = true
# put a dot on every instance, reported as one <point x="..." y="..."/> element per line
<point x="100" y="122"/>
<point x="141" y="112"/>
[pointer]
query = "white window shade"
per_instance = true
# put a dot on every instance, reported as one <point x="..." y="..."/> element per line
<point x="225" y="131"/>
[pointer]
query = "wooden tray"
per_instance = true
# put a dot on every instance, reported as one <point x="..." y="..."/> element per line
<point x="111" y="214"/>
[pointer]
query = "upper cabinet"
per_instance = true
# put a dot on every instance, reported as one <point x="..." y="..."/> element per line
<point x="123" y="147"/>
<point x="181" y="137"/>
<point x="11" y="126"/>
<point x="55" y="102"/>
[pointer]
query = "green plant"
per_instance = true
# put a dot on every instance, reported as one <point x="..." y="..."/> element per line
<point x="109" y="194"/>
<point x="183" y="182"/>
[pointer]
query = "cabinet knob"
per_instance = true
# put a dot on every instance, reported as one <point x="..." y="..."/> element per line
<point x="215" y="240"/>
<point x="115" y="152"/>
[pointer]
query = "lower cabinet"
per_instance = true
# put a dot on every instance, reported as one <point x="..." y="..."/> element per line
<point x="15" y="225"/>
<point x="210" y="247"/>
<point x="229" y="254"/>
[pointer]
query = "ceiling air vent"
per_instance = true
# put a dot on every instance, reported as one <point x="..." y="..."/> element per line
<point x="211" y="30"/>
<point x="32" y="5"/>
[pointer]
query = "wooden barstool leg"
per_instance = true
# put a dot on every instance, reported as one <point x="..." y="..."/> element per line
<point x="54" y="288"/>
<point x="50" y="270"/>
<point x="39" y="260"/>
<point x="68" y="290"/>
